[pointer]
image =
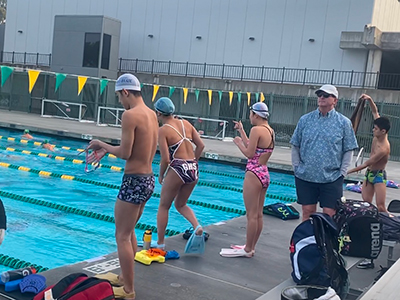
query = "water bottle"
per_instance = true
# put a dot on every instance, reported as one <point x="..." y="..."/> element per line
<point x="17" y="274"/>
<point x="147" y="239"/>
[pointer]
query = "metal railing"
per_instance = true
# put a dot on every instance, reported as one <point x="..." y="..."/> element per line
<point x="104" y="119"/>
<point x="360" y="155"/>
<point x="63" y="110"/>
<point x="374" y="80"/>
<point x="25" y="58"/>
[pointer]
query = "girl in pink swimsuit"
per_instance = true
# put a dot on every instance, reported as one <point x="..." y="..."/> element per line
<point x="254" y="165"/>
<point x="257" y="148"/>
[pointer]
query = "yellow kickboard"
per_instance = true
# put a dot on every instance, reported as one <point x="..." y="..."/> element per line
<point x="146" y="259"/>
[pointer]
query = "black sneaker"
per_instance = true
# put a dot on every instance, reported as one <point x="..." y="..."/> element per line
<point x="188" y="233"/>
<point x="366" y="264"/>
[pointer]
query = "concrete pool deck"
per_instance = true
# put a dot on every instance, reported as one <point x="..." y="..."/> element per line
<point x="209" y="276"/>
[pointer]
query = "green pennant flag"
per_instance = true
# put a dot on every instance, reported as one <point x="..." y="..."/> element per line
<point x="103" y="84"/>
<point x="257" y="96"/>
<point x="5" y="73"/>
<point x="59" y="79"/>
<point x="220" y="95"/>
<point x="197" y="92"/>
<point x="171" y="91"/>
<point x="239" y="96"/>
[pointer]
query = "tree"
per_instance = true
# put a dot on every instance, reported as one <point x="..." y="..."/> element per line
<point x="3" y="9"/>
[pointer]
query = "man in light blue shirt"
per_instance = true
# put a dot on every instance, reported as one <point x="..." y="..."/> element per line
<point x="322" y="147"/>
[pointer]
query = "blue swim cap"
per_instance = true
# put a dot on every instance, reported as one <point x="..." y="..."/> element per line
<point x="165" y="106"/>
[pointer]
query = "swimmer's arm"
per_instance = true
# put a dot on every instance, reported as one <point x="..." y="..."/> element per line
<point x="163" y="145"/>
<point x="243" y="135"/>
<point x="379" y="154"/>
<point x="249" y="149"/>
<point x="124" y="150"/>
<point x="198" y="142"/>
<point x="372" y="105"/>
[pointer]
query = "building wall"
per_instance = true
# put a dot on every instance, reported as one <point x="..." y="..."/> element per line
<point x="281" y="29"/>
<point x="69" y="44"/>
<point x="386" y="15"/>
<point x="69" y="41"/>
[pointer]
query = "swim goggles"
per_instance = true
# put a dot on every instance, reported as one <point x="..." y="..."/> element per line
<point x="92" y="159"/>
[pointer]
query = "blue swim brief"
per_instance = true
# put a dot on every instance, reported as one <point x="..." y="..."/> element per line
<point x="136" y="188"/>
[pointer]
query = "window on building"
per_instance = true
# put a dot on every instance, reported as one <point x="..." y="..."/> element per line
<point x="105" y="54"/>
<point x="91" y="51"/>
<point x="389" y="77"/>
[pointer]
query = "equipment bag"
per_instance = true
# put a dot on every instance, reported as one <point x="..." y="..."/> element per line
<point x="79" y="286"/>
<point x="308" y="292"/>
<point x="315" y="257"/>
<point x="281" y="211"/>
<point x="390" y="227"/>
<point x="359" y="228"/>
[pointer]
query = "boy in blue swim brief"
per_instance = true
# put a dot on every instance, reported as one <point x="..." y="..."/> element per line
<point x="375" y="176"/>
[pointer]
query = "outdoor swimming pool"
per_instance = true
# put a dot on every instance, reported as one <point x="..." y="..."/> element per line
<point x="44" y="226"/>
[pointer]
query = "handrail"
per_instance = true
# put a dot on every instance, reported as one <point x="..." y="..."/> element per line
<point x="360" y="155"/>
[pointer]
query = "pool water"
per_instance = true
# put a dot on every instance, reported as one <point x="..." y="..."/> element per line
<point x="52" y="238"/>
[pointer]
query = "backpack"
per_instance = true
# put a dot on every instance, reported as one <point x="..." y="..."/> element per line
<point x="390" y="227"/>
<point x="359" y="228"/>
<point x="315" y="257"/>
<point x="79" y="286"/>
<point x="281" y="211"/>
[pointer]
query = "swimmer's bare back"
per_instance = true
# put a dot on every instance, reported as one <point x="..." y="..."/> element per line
<point x="140" y="123"/>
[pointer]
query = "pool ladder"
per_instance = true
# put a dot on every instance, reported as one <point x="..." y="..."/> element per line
<point x="360" y="156"/>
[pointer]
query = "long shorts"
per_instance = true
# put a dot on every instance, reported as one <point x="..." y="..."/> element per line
<point x="136" y="188"/>
<point x="327" y="194"/>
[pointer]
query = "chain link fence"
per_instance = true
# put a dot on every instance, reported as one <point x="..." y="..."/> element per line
<point x="285" y="110"/>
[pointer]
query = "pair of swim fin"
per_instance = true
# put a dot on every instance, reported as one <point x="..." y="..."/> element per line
<point x="196" y="243"/>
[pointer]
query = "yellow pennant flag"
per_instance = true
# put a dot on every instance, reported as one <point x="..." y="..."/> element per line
<point x="209" y="96"/>
<point x="248" y="98"/>
<point x="185" y="93"/>
<point x="230" y="98"/>
<point x="155" y="91"/>
<point x="262" y="98"/>
<point x="81" y="83"/>
<point x="33" y="76"/>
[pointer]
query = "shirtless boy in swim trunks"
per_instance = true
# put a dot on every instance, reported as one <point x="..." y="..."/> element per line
<point x="375" y="176"/>
<point x="138" y="147"/>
